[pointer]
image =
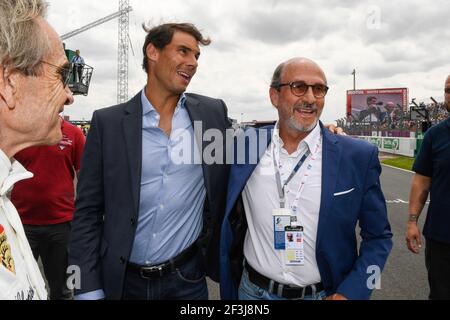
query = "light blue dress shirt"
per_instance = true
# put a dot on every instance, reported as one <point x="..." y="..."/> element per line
<point x="172" y="190"/>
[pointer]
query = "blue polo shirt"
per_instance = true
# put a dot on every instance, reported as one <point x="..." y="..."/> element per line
<point x="433" y="161"/>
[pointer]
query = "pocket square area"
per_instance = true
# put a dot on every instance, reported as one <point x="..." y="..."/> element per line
<point x="343" y="192"/>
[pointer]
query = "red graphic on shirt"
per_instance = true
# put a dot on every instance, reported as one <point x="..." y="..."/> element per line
<point x="65" y="142"/>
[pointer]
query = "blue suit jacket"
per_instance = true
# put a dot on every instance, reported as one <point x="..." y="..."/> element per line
<point x="347" y="163"/>
<point x="108" y="193"/>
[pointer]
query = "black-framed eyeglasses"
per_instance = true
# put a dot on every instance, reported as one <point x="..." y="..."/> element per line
<point x="447" y="90"/>
<point x="299" y="88"/>
<point x="65" y="72"/>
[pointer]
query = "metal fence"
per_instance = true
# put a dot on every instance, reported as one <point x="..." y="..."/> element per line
<point x="400" y="124"/>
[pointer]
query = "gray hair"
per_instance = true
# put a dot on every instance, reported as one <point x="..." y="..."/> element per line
<point x="276" y="78"/>
<point x="22" y="44"/>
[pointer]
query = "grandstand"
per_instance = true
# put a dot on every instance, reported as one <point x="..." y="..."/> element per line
<point x="399" y="124"/>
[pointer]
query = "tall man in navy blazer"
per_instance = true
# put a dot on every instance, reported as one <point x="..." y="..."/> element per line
<point x="289" y="227"/>
<point x="147" y="222"/>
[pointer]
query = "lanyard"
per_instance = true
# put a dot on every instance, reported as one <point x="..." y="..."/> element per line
<point x="303" y="182"/>
<point x="281" y="188"/>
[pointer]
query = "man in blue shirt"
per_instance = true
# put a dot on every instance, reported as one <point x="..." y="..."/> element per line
<point x="78" y="65"/>
<point x="432" y="167"/>
<point x="148" y="210"/>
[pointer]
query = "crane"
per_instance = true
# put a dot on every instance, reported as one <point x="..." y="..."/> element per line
<point x="96" y="23"/>
<point x="122" y="54"/>
<point x="122" y="57"/>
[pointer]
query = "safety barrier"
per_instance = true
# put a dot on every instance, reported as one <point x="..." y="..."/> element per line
<point x="401" y="146"/>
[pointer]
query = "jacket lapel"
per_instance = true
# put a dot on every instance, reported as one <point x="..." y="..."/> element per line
<point x="132" y="130"/>
<point x="196" y="114"/>
<point x="331" y="156"/>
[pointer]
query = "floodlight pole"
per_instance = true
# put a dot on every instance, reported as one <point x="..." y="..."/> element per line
<point x="354" y="79"/>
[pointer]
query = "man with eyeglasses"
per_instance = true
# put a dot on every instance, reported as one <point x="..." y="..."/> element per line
<point x="432" y="176"/>
<point x="309" y="185"/>
<point x="32" y="94"/>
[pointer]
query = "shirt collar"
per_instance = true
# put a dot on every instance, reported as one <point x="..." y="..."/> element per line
<point x="5" y="167"/>
<point x="147" y="106"/>
<point x="11" y="173"/>
<point x="311" y="139"/>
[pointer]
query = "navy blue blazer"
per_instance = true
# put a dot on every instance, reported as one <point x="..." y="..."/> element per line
<point x="108" y="193"/>
<point x="347" y="163"/>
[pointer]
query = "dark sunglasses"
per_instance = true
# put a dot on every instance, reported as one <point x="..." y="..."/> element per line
<point x="447" y="90"/>
<point x="65" y="72"/>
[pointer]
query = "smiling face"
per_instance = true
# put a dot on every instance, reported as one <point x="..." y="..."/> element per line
<point x="300" y="114"/>
<point x="372" y="101"/>
<point x="173" y="67"/>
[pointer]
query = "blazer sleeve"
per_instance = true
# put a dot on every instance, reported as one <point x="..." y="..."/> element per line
<point x="87" y="222"/>
<point x="376" y="237"/>
<point x="228" y="123"/>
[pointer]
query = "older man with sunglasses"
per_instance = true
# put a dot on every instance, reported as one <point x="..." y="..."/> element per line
<point x="289" y="227"/>
<point x="33" y="92"/>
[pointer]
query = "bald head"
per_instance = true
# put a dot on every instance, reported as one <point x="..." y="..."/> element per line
<point x="307" y="64"/>
<point x="303" y="64"/>
<point x="390" y="106"/>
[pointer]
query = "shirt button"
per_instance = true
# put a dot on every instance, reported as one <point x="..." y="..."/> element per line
<point x="161" y="206"/>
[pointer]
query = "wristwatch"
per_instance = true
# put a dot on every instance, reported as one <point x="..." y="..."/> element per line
<point x="413" y="218"/>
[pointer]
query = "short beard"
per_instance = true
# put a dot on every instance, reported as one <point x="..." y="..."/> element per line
<point x="294" y="125"/>
<point x="298" y="127"/>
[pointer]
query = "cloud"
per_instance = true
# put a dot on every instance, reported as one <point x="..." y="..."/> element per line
<point x="407" y="20"/>
<point x="390" y="43"/>
<point x="289" y="24"/>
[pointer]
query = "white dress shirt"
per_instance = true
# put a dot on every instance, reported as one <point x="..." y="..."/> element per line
<point x="260" y="197"/>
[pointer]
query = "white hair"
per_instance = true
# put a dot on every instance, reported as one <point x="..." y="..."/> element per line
<point x="22" y="44"/>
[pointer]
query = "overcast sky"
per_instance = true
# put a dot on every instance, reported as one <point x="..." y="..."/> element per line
<point x="402" y="43"/>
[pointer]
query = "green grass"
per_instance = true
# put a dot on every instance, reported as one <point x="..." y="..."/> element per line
<point x="400" y="162"/>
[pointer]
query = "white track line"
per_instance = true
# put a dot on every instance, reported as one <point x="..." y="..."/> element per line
<point x="386" y="165"/>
